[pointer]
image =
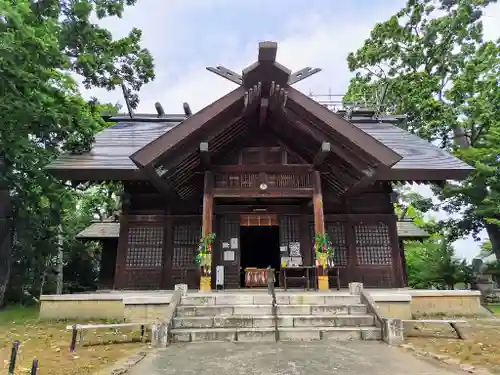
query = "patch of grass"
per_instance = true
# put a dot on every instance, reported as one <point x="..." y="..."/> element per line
<point x="495" y="308"/>
<point x="49" y="343"/>
<point x="481" y="348"/>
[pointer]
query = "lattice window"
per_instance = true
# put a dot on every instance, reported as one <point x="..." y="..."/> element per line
<point x="373" y="244"/>
<point x="145" y="247"/>
<point x="186" y="240"/>
<point x="336" y="234"/>
<point x="289" y="230"/>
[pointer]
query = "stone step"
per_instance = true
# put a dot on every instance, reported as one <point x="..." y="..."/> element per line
<point x="216" y="310"/>
<point x="260" y="321"/>
<point x="268" y="334"/>
<point x="265" y="299"/>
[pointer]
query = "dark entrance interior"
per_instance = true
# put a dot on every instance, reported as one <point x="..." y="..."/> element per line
<point x="259" y="248"/>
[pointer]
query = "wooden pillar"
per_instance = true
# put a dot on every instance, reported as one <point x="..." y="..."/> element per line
<point x="207" y="224"/>
<point x="121" y="253"/>
<point x="166" y="279"/>
<point x="403" y="262"/>
<point x="319" y="219"/>
<point x="350" y="238"/>
<point x="397" y="269"/>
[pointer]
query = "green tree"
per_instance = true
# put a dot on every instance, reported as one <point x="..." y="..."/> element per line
<point x="430" y="62"/>
<point x="431" y="263"/>
<point x="41" y="44"/>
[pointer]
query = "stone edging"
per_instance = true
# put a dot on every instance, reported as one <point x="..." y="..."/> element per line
<point x="446" y="359"/>
<point x="129" y="362"/>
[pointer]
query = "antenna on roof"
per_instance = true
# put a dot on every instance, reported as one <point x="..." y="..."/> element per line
<point x="159" y="109"/>
<point x="126" y="93"/>
<point x="187" y="109"/>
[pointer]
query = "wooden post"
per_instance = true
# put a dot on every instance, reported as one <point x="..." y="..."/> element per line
<point x="319" y="219"/>
<point x="206" y="226"/>
<point x="350" y="237"/>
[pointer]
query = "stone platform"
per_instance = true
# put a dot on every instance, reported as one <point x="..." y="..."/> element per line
<point x="151" y="305"/>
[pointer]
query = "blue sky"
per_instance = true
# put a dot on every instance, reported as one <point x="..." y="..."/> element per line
<point x="187" y="36"/>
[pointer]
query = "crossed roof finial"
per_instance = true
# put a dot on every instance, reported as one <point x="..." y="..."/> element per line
<point x="266" y="69"/>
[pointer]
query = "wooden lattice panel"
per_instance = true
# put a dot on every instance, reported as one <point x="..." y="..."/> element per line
<point x="258" y="220"/>
<point x="289" y="230"/>
<point x="336" y="234"/>
<point x="186" y="239"/>
<point x="145" y="247"/>
<point x="373" y="244"/>
<point x="236" y="180"/>
<point x="289" y="180"/>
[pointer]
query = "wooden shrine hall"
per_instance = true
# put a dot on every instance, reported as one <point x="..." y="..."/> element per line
<point x="265" y="169"/>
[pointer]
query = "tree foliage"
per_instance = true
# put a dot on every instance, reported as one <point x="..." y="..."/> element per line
<point x="431" y="263"/>
<point x="43" y="44"/>
<point x="431" y="63"/>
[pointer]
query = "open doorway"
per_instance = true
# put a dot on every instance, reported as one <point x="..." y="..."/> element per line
<point x="259" y="248"/>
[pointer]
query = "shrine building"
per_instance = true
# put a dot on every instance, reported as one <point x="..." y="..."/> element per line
<point x="265" y="168"/>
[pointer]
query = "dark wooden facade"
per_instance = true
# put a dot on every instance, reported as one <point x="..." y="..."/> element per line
<point x="263" y="155"/>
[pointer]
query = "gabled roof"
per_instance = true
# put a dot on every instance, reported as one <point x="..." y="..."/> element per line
<point x="166" y="149"/>
<point x="264" y="86"/>
<point x="110" y="155"/>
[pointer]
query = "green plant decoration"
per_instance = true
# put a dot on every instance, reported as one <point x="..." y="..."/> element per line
<point x="323" y="249"/>
<point x="204" y="256"/>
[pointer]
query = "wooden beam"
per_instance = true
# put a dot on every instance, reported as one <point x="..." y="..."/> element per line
<point x="302" y="74"/>
<point x="264" y="106"/>
<point x="271" y="168"/>
<point x="227" y="74"/>
<point x="322" y="153"/>
<point x="187" y="109"/>
<point x="204" y="155"/>
<point x="344" y="129"/>
<point x="267" y="52"/>
<point x="269" y="193"/>
<point x="285" y="209"/>
<point x="350" y="156"/>
<point x="168" y="141"/>
<point x="159" y="109"/>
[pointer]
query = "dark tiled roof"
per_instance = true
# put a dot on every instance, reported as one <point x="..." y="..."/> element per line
<point x="416" y="152"/>
<point x="114" y="145"/>
<point x="101" y="230"/>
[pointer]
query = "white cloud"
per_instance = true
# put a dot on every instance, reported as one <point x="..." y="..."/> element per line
<point x="186" y="37"/>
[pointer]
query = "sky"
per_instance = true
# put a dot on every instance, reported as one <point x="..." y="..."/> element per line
<point x="185" y="37"/>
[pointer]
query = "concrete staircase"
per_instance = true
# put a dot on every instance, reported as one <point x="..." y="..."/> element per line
<point x="248" y="316"/>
